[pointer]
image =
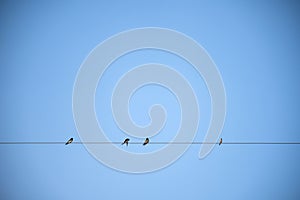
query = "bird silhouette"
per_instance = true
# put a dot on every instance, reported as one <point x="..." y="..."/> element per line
<point x="146" y="141"/>
<point x="220" y="141"/>
<point x="126" y="141"/>
<point x="69" y="141"/>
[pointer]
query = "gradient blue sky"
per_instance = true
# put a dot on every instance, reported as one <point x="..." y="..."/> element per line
<point x="255" y="46"/>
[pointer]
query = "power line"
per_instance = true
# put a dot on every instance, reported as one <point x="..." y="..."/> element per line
<point x="139" y="143"/>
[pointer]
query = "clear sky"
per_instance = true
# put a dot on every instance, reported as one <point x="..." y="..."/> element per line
<point x="255" y="45"/>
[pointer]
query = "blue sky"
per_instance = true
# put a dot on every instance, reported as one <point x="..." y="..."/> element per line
<point x="255" y="46"/>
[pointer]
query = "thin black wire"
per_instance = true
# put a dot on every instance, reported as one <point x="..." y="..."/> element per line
<point x="171" y="143"/>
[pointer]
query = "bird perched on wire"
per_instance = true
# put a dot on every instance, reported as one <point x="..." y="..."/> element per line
<point x="220" y="141"/>
<point x="146" y="141"/>
<point x="126" y="141"/>
<point x="69" y="141"/>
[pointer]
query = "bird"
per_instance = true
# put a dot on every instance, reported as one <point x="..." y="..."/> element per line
<point x="69" y="141"/>
<point x="146" y="141"/>
<point x="126" y="141"/>
<point x="220" y="141"/>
